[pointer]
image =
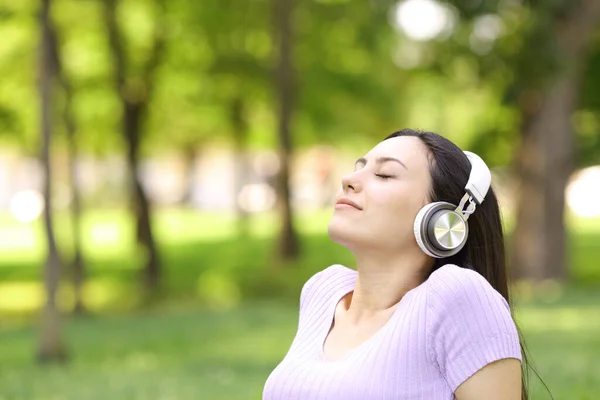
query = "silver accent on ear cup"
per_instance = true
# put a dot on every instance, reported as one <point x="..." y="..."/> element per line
<point x="420" y="232"/>
<point x="447" y="230"/>
<point x="424" y="235"/>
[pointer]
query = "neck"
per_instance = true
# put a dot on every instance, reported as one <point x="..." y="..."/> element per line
<point x="383" y="280"/>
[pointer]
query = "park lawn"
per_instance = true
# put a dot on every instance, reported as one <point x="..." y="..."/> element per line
<point x="174" y="353"/>
<point x="204" y="259"/>
<point x="179" y="349"/>
<point x="198" y="251"/>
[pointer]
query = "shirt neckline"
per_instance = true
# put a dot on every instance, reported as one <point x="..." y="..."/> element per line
<point x="339" y="295"/>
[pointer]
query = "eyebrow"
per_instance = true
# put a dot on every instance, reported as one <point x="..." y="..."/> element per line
<point x="380" y="160"/>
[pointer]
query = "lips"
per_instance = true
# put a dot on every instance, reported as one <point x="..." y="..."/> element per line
<point x="347" y="201"/>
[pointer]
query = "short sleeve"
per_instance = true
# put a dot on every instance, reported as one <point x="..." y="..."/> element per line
<point x="469" y="324"/>
<point x="324" y="283"/>
<point x="307" y="292"/>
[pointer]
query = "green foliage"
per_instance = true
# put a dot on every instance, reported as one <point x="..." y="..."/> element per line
<point x="587" y="120"/>
<point x="18" y="95"/>
<point x="352" y="81"/>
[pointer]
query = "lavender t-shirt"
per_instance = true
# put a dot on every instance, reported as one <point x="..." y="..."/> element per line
<point x="441" y="333"/>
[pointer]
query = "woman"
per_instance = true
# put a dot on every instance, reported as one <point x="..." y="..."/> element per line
<point x="426" y="313"/>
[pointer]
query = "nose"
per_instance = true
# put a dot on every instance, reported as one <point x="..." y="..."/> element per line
<point x="350" y="182"/>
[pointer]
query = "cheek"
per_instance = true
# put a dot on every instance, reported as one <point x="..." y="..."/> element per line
<point x="399" y="210"/>
<point x="401" y="202"/>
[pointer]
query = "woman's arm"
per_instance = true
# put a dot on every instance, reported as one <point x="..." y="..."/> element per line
<point x="499" y="380"/>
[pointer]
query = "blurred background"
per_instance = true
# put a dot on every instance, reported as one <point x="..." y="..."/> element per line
<point x="168" y="170"/>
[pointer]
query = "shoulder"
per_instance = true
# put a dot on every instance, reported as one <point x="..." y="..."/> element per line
<point x="326" y="281"/>
<point x="335" y="271"/>
<point x="451" y="284"/>
<point x="469" y="323"/>
<point x="457" y="275"/>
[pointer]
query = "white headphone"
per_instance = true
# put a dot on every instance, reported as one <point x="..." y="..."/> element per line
<point x="441" y="228"/>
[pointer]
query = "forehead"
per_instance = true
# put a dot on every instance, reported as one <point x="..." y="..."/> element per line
<point x="408" y="149"/>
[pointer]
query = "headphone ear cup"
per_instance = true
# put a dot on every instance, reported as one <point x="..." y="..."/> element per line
<point x="440" y="215"/>
<point x="420" y="227"/>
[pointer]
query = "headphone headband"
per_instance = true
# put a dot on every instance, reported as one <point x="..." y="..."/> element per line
<point x="480" y="178"/>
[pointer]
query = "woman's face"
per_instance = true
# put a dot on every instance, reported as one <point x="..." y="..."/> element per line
<point x="388" y="206"/>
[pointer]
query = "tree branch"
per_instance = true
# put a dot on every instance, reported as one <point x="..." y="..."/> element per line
<point x="157" y="52"/>
<point x="116" y="44"/>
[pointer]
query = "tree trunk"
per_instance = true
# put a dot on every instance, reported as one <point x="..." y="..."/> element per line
<point x="135" y="94"/>
<point x="288" y="245"/>
<point x="50" y="343"/>
<point x="141" y="204"/>
<point x="78" y="263"/>
<point x="545" y="159"/>
<point x="240" y="135"/>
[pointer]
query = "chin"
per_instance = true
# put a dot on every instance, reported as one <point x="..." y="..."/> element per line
<point x="357" y="238"/>
<point x="342" y="235"/>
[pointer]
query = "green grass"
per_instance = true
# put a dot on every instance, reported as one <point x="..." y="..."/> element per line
<point x="198" y="344"/>
<point x="199" y="252"/>
<point x="200" y="354"/>
<point x="204" y="259"/>
<point x="182" y="355"/>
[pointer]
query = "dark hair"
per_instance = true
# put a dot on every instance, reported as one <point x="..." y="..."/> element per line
<point x="484" y="251"/>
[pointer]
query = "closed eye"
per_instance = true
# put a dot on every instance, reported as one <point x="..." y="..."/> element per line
<point x="383" y="176"/>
